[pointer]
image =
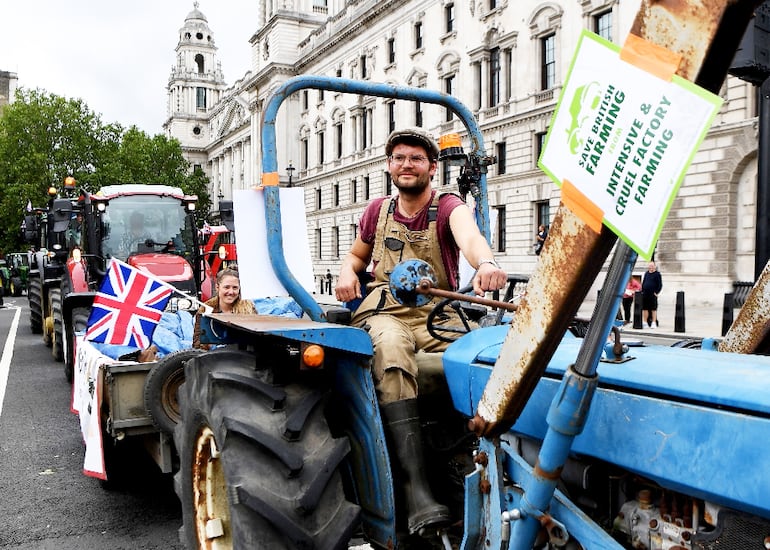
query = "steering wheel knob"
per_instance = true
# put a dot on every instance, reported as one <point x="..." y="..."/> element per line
<point x="408" y="278"/>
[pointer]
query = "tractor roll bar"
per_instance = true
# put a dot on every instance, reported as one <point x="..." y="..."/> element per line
<point x="270" y="162"/>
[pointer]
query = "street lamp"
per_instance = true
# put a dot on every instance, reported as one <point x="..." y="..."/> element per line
<point x="220" y="195"/>
<point x="290" y="169"/>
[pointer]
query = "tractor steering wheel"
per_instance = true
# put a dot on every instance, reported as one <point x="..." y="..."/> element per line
<point x="470" y="314"/>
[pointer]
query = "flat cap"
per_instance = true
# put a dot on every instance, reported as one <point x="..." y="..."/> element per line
<point x="412" y="136"/>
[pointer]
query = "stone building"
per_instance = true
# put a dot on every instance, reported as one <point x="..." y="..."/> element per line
<point x="8" y="83"/>
<point x="505" y="60"/>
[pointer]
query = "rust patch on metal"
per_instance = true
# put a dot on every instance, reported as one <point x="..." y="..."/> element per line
<point x="481" y="458"/>
<point x="485" y="486"/>
<point x="552" y="476"/>
<point x="686" y="27"/>
<point x="749" y="331"/>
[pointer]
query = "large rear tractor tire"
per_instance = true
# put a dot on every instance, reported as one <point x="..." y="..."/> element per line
<point x="161" y="386"/>
<point x="79" y="322"/>
<point x="16" y="286"/>
<point x="35" y="296"/>
<point x="258" y="465"/>
<point x="57" y="335"/>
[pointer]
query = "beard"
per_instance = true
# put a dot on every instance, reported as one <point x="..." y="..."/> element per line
<point x="413" y="188"/>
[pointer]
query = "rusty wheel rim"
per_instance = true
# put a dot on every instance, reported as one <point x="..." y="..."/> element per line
<point x="209" y="494"/>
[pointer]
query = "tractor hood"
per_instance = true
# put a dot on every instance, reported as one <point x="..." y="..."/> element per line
<point x="166" y="267"/>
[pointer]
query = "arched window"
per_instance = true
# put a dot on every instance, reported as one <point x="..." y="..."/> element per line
<point x="199" y="62"/>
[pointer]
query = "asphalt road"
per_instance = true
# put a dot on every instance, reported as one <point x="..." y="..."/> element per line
<point x="46" y="502"/>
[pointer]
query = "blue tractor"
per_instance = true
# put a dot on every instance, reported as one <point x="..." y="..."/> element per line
<point x="537" y="435"/>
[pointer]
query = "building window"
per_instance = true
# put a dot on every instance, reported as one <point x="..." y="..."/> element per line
<point x="478" y="92"/>
<point x="603" y="25"/>
<point x="318" y="199"/>
<point x="539" y="144"/>
<point x="338" y="139"/>
<point x="446" y="174"/>
<point x="508" y="59"/>
<point x="318" y="243"/>
<point x="418" y="114"/>
<point x="388" y="184"/>
<point x="199" y="63"/>
<point x="548" y="62"/>
<point x="367" y="189"/>
<point x="391" y="50"/>
<point x="500" y="229"/>
<point x="418" y="35"/>
<point x="449" y="17"/>
<point x="335" y="242"/>
<point x="362" y="60"/>
<point x="448" y="88"/>
<point x="365" y="129"/>
<point x="500" y="154"/>
<point x="200" y="98"/>
<point x="492" y="5"/>
<point x="305" y="100"/>
<point x="321" y="148"/>
<point x="354" y="190"/>
<point x="320" y="96"/>
<point x="542" y="214"/>
<point x="353" y="232"/>
<point x="336" y="194"/>
<point x="494" y="77"/>
<point x="391" y="116"/>
<point x="304" y="153"/>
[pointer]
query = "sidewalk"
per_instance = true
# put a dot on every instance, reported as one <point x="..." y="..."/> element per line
<point x="699" y="321"/>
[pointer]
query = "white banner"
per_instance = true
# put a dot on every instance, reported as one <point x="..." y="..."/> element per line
<point x="87" y="388"/>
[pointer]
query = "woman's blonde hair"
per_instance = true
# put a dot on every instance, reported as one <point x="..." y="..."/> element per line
<point x="227" y="272"/>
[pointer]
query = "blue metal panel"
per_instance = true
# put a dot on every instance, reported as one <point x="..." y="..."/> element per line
<point x="694" y="442"/>
<point x="231" y="329"/>
<point x="727" y="380"/>
<point x="369" y="461"/>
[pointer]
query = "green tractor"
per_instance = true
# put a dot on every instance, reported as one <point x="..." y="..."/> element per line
<point x="13" y="273"/>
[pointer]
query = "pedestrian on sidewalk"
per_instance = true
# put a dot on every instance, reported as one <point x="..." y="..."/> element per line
<point x="652" y="284"/>
<point x="632" y="287"/>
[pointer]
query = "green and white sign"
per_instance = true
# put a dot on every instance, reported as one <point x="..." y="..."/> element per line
<point x="624" y="139"/>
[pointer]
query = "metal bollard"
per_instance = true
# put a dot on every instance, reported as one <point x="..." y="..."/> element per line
<point x="637" y="309"/>
<point x="727" y="312"/>
<point x="679" y="312"/>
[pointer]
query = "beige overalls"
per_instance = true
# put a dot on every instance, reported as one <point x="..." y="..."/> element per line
<point x="398" y="331"/>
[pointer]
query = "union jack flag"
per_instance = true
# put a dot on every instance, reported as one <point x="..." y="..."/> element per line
<point x="127" y="307"/>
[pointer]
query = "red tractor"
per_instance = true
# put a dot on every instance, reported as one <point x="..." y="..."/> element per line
<point x="218" y="241"/>
<point x="151" y="227"/>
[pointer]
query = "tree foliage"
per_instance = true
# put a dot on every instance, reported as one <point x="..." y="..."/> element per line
<point x="44" y="138"/>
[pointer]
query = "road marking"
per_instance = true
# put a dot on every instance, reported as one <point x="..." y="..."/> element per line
<point x="5" y="360"/>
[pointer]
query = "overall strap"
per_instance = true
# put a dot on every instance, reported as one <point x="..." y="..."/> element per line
<point x="386" y="209"/>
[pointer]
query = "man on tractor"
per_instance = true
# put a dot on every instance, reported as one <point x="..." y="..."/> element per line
<point x="417" y="223"/>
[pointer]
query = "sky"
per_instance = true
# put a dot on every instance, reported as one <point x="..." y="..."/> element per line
<point x="116" y="56"/>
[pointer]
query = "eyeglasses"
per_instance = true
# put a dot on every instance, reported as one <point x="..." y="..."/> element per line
<point x="414" y="159"/>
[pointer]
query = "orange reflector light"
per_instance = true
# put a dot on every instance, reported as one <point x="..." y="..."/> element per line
<point x="449" y="140"/>
<point x="52" y="191"/>
<point x="69" y="182"/>
<point x="313" y="356"/>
